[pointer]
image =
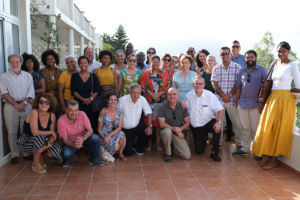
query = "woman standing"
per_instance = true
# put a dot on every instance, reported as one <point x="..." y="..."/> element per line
<point x="119" y="65"/>
<point x="183" y="79"/>
<point x="64" y="83"/>
<point x="110" y="127"/>
<point x="129" y="75"/>
<point x="167" y="59"/>
<point x="211" y="63"/>
<point x="150" y="52"/>
<point x="154" y="83"/>
<point x="201" y="59"/>
<point x="85" y="88"/>
<point x="275" y="130"/>
<point x="32" y="66"/>
<point x="39" y="132"/>
<point x="106" y="75"/>
<point x="50" y="59"/>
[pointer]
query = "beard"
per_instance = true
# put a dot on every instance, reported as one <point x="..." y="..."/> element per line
<point x="251" y="63"/>
<point x="16" y="70"/>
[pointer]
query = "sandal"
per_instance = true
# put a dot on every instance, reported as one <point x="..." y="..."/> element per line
<point x="123" y="158"/>
<point x="37" y="168"/>
<point x="271" y="165"/>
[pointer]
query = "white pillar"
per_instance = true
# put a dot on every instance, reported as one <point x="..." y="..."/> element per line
<point x="25" y="26"/>
<point x="71" y="42"/>
<point x="52" y="19"/>
<point x="81" y="45"/>
<point x="89" y="44"/>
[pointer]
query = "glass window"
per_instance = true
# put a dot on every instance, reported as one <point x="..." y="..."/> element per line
<point x="16" y="42"/>
<point x="2" y="58"/>
<point x="1" y="5"/>
<point x="14" y="7"/>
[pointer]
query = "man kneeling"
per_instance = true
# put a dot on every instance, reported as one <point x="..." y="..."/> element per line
<point x="173" y="119"/>
<point x="75" y="129"/>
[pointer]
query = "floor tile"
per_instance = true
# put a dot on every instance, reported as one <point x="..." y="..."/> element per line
<point x="75" y="189"/>
<point x="103" y="188"/>
<point x="79" y="179"/>
<point x="102" y="196"/>
<point x="135" y="195"/>
<point x="192" y="194"/>
<point x="221" y="193"/>
<point x="250" y="193"/>
<point x="138" y="186"/>
<point x="51" y="180"/>
<point x="45" y="190"/>
<point x="163" y="195"/>
<point x="18" y="190"/>
<point x="155" y="185"/>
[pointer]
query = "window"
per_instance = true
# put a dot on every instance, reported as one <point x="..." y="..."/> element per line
<point x="2" y="57"/>
<point x="14" y="7"/>
<point x="15" y="37"/>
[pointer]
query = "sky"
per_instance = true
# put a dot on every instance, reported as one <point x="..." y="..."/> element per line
<point x="171" y="26"/>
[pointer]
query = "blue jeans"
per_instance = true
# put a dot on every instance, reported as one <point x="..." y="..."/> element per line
<point x="93" y="144"/>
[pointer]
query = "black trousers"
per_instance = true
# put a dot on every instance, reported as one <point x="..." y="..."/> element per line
<point x="200" y="135"/>
<point x="130" y="134"/>
<point x="228" y="126"/>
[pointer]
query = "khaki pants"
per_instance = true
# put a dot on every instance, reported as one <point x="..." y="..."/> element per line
<point x="13" y="121"/>
<point x="181" y="147"/>
<point x="249" y="120"/>
<point x="236" y="123"/>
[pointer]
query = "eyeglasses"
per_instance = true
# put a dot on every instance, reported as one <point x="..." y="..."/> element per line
<point x="44" y="102"/>
<point x="224" y="54"/>
<point x="167" y="60"/>
<point x="131" y="60"/>
<point x="174" y="116"/>
<point x="248" y="78"/>
<point x="199" y="83"/>
<point x="235" y="46"/>
<point x="190" y="51"/>
<point x="150" y="52"/>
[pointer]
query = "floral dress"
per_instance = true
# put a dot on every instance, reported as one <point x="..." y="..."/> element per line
<point x="107" y="127"/>
<point x="52" y="81"/>
<point x="128" y="79"/>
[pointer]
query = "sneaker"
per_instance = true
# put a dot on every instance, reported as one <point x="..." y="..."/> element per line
<point x="96" y="163"/>
<point x="257" y="158"/>
<point x="240" y="152"/>
<point x="215" y="157"/>
<point x="167" y="159"/>
<point x="14" y="160"/>
<point x="148" y="148"/>
<point x="138" y="153"/>
<point x="159" y="149"/>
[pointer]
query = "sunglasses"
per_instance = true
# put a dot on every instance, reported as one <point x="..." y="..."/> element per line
<point x="174" y="116"/>
<point x="167" y="60"/>
<point x="151" y="52"/>
<point x="44" y="102"/>
<point x="190" y="51"/>
<point x="131" y="60"/>
<point x="248" y="78"/>
<point x="225" y="54"/>
<point x="235" y="46"/>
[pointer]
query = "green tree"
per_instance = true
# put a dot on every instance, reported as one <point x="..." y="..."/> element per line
<point x="264" y="50"/>
<point x="109" y="47"/>
<point x="293" y="56"/>
<point x="120" y="38"/>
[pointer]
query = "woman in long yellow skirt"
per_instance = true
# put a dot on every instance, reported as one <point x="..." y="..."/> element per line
<point x="275" y="130"/>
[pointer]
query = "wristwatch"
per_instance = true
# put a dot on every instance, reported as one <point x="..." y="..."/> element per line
<point x="150" y="125"/>
<point x="91" y="98"/>
<point x="220" y="122"/>
<point x="25" y="102"/>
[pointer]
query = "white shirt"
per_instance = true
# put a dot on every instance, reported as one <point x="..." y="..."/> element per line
<point x="132" y="111"/>
<point x="283" y="75"/>
<point x="19" y="87"/>
<point x="202" y="109"/>
<point x="94" y="65"/>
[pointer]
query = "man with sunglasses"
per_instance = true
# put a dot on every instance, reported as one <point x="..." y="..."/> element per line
<point x="16" y="87"/>
<point x="223" y="79"/>
<point x="248" y="84"/>
<point x="173" y="119"/>
<point x="206" y="114"/>
<point x="235" y="55"/>
<point x="191" y="51"/>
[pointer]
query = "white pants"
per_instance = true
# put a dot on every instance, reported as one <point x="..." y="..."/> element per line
<point x="249" y="120"/>
<point x="14" y="121"/>
<point x="236" y="123"/>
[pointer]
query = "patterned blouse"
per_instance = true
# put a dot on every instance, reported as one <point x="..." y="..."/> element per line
<point x="37" y="77"/>
<point x="128" y="79"/>
<point x="52" y="82"/>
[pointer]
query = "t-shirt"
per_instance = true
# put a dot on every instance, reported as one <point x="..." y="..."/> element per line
<point x="173" y="117"/>
<point x="283" y="75"/>
<point x="65" y="79"/>
<point x="66" y="127"/>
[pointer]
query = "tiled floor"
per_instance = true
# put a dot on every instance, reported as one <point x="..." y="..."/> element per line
<point x="149" y="178"/>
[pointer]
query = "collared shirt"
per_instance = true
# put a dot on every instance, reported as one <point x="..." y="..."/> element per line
<point x="94" y="65"/>
<point x="19" y="87"/>
<point x="226" y="79"/>
<point x="144" y="68"/>
<point x="202" y="109"/>
<point x="250" y="82"/>
<point x="133" y="111"/>
<point x="66" y="127"/>
<point x="174" y="118"/>
<point x="240" y="59"/>
<point x="182" y="85"/>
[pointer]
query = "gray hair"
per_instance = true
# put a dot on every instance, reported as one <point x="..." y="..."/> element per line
<point x="120" y="50"/>
<point x="15" y="55"/>
<point x="133" y="86"/>
<point x="69" y="56"/>
<point x="210" y="56"/>
<point x="197" y="78"/>
<point x="72" y="103"/>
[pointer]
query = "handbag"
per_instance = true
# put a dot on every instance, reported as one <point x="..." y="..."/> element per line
<point x="266" y="86"/>
<point x="97" y="102"/>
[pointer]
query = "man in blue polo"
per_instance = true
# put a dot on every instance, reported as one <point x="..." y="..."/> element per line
<point x="235" y="54"/>
<point x="248" y="84"/>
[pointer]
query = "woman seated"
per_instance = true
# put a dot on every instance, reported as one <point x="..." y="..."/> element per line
<point x="39" y="133"/>
<point x="110" y="126"/>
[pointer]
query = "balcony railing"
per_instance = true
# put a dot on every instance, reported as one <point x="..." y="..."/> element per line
<point x="65" y="7"/>
<point x="297" y="98"/>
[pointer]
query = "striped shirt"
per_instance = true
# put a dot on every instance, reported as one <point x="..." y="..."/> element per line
<point x="226" y="79"/>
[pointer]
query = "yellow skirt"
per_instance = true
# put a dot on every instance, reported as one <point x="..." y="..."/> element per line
<point x="275" y="129"/>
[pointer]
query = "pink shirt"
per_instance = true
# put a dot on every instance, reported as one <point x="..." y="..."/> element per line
<point x="66" y="127"/>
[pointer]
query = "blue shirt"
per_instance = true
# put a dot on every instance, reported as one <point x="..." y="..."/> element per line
<point x="250" y="82"/>
<point x="182" y="85"/>
<point x="239" y="59"/>
<point x="145" y="67"/>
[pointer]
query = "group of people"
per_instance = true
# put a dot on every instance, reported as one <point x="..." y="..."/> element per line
<point x="123" y="108"/>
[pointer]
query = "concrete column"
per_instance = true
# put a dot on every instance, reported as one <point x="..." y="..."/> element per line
<point x="53" y="20"/>
<point x="71" y="42"/>
<point x="81" y="45"/>
<point x="25" y="26"/>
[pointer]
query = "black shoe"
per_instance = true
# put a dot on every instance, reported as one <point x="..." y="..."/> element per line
<point x="257" y="158"/>
<point x="137" y="152"/>
<point x="14" y="160"/>
<point x="228" y="139"/>
<point x="215" y="157"/>
<point x="240" y="152"/>
<point x="29" y="157"/>
<point x="167" y="159"/>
